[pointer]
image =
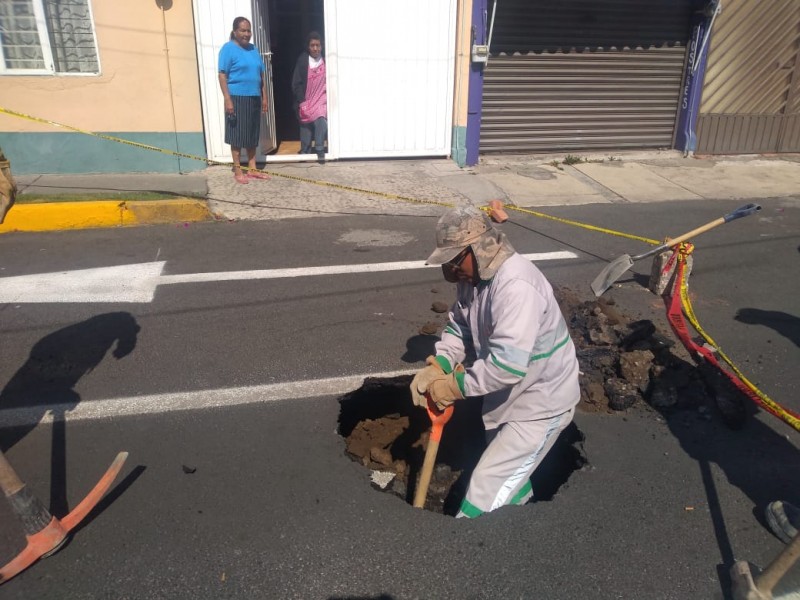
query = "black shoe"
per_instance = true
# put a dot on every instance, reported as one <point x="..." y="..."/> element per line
<point x="321" y="158"/>
<point x="783" y="519"/>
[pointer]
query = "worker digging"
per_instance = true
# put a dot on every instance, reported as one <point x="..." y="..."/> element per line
<point x="525" y="366"/>
<point x="622" y="364"/>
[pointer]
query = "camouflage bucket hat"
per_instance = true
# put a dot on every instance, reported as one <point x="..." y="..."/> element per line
<point x="458" y="228"/>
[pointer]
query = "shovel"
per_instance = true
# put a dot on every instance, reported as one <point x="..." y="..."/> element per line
<point x="615" y="269"/>
<point x="438" y="420"/>
<point x="747" y="587"/>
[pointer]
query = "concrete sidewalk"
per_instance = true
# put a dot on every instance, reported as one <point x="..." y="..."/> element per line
<point x="423" y="186"/>
<point x="526" y="181"/>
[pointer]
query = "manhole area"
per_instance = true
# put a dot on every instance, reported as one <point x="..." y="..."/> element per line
<point x="387" y="434"/>
<point x="624" y="364"/>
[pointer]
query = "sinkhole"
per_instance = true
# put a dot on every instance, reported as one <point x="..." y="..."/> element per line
<point x="387" y="434"/>
<point x="626" y="365"/>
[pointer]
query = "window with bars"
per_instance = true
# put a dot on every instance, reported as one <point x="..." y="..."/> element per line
<point x="47" y="36"/>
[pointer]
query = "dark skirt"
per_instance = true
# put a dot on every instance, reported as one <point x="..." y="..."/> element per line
<point x="242" y="131"/>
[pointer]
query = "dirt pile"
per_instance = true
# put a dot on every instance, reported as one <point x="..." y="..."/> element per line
<point x="623" y="363"/>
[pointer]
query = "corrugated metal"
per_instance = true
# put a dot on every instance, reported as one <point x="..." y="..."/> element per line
<point x="584" y="74"/>
<point x="738" y="134"/>
<point x="790" y="135"/>
<point x="750" y="98"/>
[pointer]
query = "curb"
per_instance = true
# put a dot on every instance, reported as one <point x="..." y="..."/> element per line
<point x="103" y="213"/>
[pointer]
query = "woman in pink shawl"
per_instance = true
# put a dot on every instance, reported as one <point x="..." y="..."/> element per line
<point x="311" y="99"/>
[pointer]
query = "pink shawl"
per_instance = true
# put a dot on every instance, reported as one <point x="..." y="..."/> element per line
<point x="316" y="102"/>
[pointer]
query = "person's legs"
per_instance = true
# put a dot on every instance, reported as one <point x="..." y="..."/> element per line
<point x="783" y="519"/>
<point x="305" y="138"/>
<point x="236" y="155"/>
<point x="320" y="131"/>
<point x="502" y="476"/>
<point x="251" y="158"/>
<point x="252" y="172"/>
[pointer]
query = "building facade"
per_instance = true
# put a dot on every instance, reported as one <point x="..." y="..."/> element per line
<point x="405" y="78"/>
<point x="126" y="69"/>
<point x="147" y="73"/>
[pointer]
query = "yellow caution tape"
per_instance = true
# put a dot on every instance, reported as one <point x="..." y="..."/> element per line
<point x="776" y="408"/>
<point x="584" y="225"/>
<point x="337" y="186"/>
<point x="209" y="161"/>
<point x="683" y="290"/>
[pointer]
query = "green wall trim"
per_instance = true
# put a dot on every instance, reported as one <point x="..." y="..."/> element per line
<point x="459" y="149"/>
<point x="43" y="153"/>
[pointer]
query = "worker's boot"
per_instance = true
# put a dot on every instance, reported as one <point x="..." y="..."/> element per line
<point x="783" y="519"/>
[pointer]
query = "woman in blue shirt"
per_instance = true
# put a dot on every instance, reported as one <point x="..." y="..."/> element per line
<point x="241" y="78"/>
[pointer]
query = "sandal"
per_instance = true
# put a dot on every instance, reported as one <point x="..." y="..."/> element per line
<point x="241" y="178"/>
<point x="257" y="175"/>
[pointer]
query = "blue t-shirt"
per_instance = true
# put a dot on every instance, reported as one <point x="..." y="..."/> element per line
<point x="242" y="67"/>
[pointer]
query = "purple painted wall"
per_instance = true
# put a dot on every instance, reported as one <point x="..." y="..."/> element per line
<point x="475" y="100"/>
<point x="692" y="91"/>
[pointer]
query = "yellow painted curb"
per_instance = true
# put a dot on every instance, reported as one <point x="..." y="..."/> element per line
<point x="102" y="213"/>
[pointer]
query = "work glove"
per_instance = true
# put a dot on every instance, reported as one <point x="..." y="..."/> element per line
<point x="420" y="382"/>
<point x="445" y="389"/>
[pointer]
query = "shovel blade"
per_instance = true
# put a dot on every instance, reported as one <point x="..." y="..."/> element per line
<point x="611" y="273"/>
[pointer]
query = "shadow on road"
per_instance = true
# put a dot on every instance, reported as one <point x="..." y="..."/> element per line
<point x="48" y="378"/>
<point x="757" y="459"/>
<point x="783" y="323"/>
<point x="419" y="347"/>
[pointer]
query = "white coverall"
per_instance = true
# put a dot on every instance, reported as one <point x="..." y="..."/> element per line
<point x="525" y="369"/>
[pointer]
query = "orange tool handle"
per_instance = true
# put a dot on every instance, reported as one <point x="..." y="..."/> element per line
<point x="438" y="421"/>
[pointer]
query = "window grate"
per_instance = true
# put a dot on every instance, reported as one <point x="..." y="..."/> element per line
<point x="47" y="36"/>
<point x="71" y="36"/>
<point x="19" y="35"/>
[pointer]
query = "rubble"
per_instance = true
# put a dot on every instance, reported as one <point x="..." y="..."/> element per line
<point x="625" y="364"/>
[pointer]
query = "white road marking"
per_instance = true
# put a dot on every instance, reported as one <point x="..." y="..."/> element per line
<point x="137" y="283"/>
<point x="124" y="283"/>
<point x="183" y="401"/>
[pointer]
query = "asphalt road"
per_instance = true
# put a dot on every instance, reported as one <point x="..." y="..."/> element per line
<point x="274" y="509"/>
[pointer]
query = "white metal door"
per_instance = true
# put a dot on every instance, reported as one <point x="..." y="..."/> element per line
<point x="390" y="67"/>
<point x="212" y="22"/>
<point x="267" y="140"/>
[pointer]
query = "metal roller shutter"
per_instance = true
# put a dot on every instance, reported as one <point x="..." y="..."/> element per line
<point x="584" y="74"/>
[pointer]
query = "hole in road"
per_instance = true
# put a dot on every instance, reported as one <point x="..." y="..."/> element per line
<point x="625" y="365"/>
<point x="387" y="434"/>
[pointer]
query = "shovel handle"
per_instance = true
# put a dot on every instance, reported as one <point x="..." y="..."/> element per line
<point x="742" y="211"/>
<point x="777" y="569"/>
<point x="10" y="483"/>
<point x="438" y="420"/>
<point x="427" y="470"/>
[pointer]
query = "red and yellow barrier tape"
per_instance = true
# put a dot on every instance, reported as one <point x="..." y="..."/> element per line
<point x="679" y="306"/>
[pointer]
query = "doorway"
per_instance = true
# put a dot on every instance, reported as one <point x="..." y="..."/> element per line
<point x="380" y="56"/>
<point x="290" y="22"/>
